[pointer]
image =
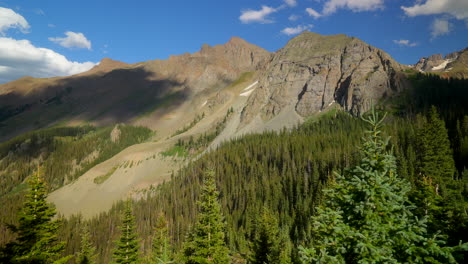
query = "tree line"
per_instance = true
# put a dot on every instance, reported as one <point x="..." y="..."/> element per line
<point x="282" y="179"/>
<point x="366" y="217"/>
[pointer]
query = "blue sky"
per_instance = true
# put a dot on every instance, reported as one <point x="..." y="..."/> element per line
<point x="48" y="38"/>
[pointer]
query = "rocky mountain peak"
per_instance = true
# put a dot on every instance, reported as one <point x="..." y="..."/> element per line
<point x="314" y="71"/>
<point x="106" y="65"/>
<point x="315" y="44"/>
<point x="452" y="65"/>
<point x="237" y="41"/>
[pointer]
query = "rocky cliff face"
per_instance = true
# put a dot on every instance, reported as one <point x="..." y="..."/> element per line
<point x="209" y="66"/>
<point x="426" y="64"/>
<point x="313" y="71"/>
<point x="114" y="92"/>
<point x="454" y="64"/>
<point x="309" y="74"/>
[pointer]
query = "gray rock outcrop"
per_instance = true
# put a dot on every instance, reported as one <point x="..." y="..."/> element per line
<point x="313" y="71"/>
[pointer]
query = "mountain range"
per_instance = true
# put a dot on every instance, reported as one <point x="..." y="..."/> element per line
<point x="238" y="85"/>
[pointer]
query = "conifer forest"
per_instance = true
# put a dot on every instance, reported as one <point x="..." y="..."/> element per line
<point x="387" y="186"/>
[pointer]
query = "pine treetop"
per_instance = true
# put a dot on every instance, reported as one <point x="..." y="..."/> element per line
<point x="206" y="242"/>
<point x="36" y="232"/>
<point x="127" y="250"/>
<point x="367" y="210"/>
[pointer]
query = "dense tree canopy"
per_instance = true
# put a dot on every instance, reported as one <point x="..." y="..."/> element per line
<point x="366" y="216"/>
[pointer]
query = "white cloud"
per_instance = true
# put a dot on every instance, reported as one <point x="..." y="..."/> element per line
<point x="20" y="58"/>
<point x="291" y="2"/>
<point x="331" y="6"/>
<point x="260" y="16"/>
<point x="456" y="8"/>
<point x="294" y="17"/>
<point x="73" y="40"/>
<point x="10" y="19"/>
<point x="313" y="13"/>
<point x="440" y="27"/>
<point x="405" y="42"/>
<point x="296" y="30"/>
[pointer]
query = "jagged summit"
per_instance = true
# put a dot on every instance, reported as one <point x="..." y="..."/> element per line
<point x="237" y="40"/>
<point x="454" y="64"/>
<point x="265" y="91"/>
<point x="314" y="71"/>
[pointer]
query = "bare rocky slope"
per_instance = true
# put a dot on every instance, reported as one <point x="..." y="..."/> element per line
<point x="115" y="92"/>
<point x="313" y="71"/>
<point x="266" y="91"/>
<point x="454" y="64"/>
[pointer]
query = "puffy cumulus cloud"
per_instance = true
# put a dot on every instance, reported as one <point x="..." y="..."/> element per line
<point x="405" y="42"/>
<point x="440" y="27"/>
<point x="290" y="2"/>
<point x="296" y="30"/>
<point x="456" y="8"/>
<point x="73" y="40"/>
<point x="20" y="58"/>
<point x="313" y="13"/>
<point x="331" y="6"/>
<point x="259" y="16"/>
<point x="10" y="19"/>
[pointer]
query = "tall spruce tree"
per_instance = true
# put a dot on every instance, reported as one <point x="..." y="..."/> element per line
<point x="439" y="194"/>
<point x="127" y="251"/>
<point x="36" y="232"/>
<point x="435" y="155"/>
<point x="162" y="252"/>
<point x="366" y="216"/>
<point x="268" y="246"/>
<point x="206" y="242"/>
<point x="87" y="254"/>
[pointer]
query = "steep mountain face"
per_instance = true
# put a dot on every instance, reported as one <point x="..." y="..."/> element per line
<point x="454" y="64"/>
<point x="210" y="65"/>
<point x="427" y="64"/>
<point x="115" y="92"/>
<point x="215" y="94"/>
<point x="313" y="71"/>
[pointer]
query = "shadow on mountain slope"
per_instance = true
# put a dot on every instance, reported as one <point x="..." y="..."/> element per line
<point x="117" y="96"/>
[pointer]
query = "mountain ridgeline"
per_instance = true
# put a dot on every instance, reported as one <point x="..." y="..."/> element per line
<point x="309" y="74"/>
<point x="272" y="131"/>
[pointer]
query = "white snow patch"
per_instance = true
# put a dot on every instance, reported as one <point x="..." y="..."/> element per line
<point x="249" y="89"/>
<point x="250" y="86"/>
<point x="441" y="66"/>
<point x="331" y="103"/>
<point x="449" y="69"/>
<point x="204" y="103"/>
<point x="247" y="93"/>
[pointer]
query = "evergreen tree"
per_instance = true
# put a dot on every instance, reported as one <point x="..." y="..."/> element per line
<point x="206" y="242"/>
<point x="161" y="245"/>
<point x="268" y="246"/>
<point x="127" y="246"/>
<point x="87" y="252"/>
<point x="436" y="156"/>
<point x="366" y="217"/>
<point x="36" y="232"/>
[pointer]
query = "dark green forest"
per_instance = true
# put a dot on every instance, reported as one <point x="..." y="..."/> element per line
<point x="65" y="153"/>
<point x="270" y="185"/>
